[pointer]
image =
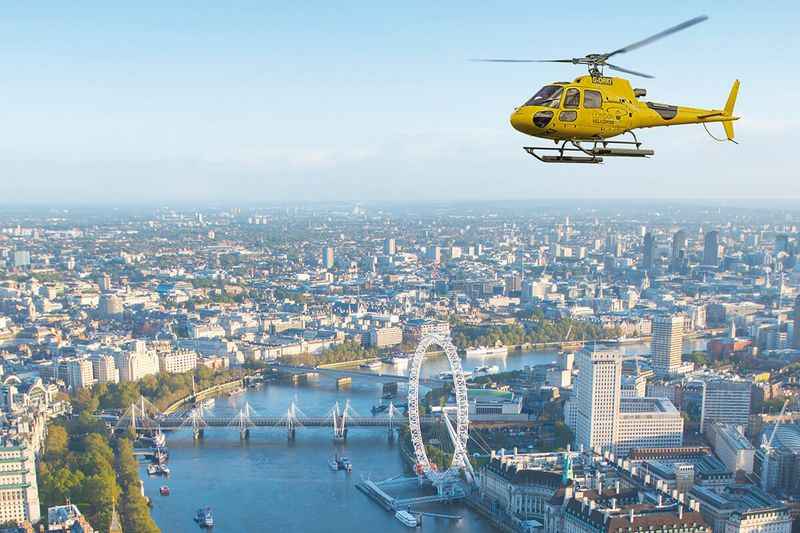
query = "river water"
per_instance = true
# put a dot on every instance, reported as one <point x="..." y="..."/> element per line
<point x="269" y="484"/>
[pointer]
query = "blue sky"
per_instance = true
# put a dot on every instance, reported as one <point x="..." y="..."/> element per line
<point x="153" y="102"/>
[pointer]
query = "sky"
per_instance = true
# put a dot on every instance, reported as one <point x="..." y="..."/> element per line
<point x="145" y="102"/>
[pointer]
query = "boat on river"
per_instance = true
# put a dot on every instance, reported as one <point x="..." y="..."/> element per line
<point x="204" y="517"/>
<point x="481" y="351"/>
<point x="407" y="519"/>
<point x="340" y="463"/>
<point x="164" y="490"/>
<point x="334" y="464"/>
<point x="372" y="365"/>
<point x="486" y="370"/>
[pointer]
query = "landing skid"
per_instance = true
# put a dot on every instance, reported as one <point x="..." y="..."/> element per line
<point x="578" y="153"/>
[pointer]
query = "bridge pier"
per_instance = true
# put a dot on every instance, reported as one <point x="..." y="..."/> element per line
<point x="391" y="434"/>
<point x="291" y="434"/>
<point x="340" y="436"/>
<point x="244" y="434"/>
<point x="197" y="433"/>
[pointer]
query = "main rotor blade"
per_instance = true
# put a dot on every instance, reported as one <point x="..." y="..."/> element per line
<point x="524" y="60"/>
<point x="642" y="74"/>
<point x="657" y="36"/>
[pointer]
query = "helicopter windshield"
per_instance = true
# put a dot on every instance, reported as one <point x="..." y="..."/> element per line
<point x="548" y="96"/>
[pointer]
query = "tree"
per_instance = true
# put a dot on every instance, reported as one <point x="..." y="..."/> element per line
<point x="60" y="484"/>
<point x="85" y="400"/>
<point x="56" y="443"/>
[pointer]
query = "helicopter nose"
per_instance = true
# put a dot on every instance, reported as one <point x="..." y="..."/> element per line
<point x="522" y="120"/>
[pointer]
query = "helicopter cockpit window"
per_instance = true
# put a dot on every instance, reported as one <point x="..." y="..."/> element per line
<point x="572" y="99"/>
<point x="592" y="99"/>
<point x="548" y="96"/>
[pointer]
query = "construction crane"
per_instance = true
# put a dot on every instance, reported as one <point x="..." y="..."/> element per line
<point x="768" y="444"/>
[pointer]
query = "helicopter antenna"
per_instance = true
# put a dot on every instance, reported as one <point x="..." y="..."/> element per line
<point x="596" y="62"/>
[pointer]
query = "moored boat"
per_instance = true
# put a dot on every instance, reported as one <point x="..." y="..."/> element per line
<point x="407" y="518"/>
<point x="159" y="440"/>
<point x="481" y="351"/>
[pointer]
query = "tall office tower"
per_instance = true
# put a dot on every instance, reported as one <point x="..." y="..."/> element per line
<point x="726" y="401"/>
<point x="598" y="395"/>
<point x="389" y="247"/>
<point x="796" y="328"/>
<point x="680" y="241"/>
<point x="327" y="257"/>
<point x="648" y="251"/>
<point x="667" y="344"/>
<point x="711" y="249"/>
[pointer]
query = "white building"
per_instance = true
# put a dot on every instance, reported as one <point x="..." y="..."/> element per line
<point x="598" y="395"/>
<point x="385" y="336"/>
<point x="105" y="369"/>
<point x="726" y="401"/>
<point x="647" y="423"/>
<point x="667" y="345"/>
<point x="177" y="362"/>
<point x="606" y="420"/>
<point x="19" y="492"/>
<point x="206" y="331"/>
<point x="742" y="509"/>
<point x="732" y="447"/>
<point x="133" y="365"/>
<point x="79" y="373"/>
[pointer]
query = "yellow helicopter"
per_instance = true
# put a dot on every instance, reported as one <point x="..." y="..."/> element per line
<point x="583" y="115"/>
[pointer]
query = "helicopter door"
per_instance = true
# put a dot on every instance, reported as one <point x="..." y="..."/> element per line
<point x="593" y="108"/>
<point x="569" y="117"/>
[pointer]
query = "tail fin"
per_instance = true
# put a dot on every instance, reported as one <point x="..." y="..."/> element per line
<point x="728" y="111"/>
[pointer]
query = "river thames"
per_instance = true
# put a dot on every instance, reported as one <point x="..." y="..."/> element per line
<point x="269" y="484"/>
